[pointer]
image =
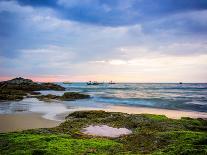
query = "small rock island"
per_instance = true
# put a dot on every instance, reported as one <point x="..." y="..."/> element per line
<point x="18" y="88"/>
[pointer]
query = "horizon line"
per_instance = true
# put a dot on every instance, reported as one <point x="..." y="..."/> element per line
<point x="102" y="81"/>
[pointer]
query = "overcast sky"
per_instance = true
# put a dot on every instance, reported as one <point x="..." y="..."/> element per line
<point x="119" y="40"/>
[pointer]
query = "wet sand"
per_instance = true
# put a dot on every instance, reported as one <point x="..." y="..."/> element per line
<point x="23" y="121"/>
<point x="175" y="114"/>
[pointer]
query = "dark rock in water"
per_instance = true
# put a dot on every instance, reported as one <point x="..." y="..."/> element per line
<point x="17" y="88"/>
<point x="73" y="96"/>
<point x="10" y="89"/>
<point x="48" y="97"/>
<point x="34" y="93"/>
<point x="65" y="97"/>
<point x="52" y="86"/>
<point x="5" y="97"/>
<point x="8" y="94"/>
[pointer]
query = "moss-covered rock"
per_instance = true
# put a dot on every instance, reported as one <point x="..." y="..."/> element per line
<point x="152" y="134"/>
<point x="65" y="97"/>
<point x="29" y="85"/>
<point x="51" y="144"/>
<point x="48" y="98"/>
<point x="5" y="97"/>
<point x="73" y="96"/>
<point x="51" y="86"/>
<point x="8" y="94"/>
<point x="9" y="90"/>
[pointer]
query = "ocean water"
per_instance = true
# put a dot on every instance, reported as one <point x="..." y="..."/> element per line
<point x="169" y="96"/>
<point x="187" y="96"/>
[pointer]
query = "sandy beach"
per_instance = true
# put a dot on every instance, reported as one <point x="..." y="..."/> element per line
<point x="23" y="121"/>
<point x="20" y="121"/>
<point x="175" y="114"/>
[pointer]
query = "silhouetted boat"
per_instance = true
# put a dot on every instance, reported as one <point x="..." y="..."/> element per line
<point x="92" y="83"/>
<point x="111" y="82"/>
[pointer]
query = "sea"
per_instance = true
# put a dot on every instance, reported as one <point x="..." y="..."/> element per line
<point x="186" y="96"/>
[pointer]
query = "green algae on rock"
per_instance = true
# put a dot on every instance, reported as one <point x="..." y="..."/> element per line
<point x="151" y="134"/>
<point x="65" y="97"/>
<point x="8" y="94"/>
<point x="17" y="88"/>
<point x="73" y="96"/>
<point x="48" y="97"/>
<point x="28" y="85"/>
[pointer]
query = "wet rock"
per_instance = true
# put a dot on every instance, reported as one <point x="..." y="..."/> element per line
<point x="17" y="88"/>
<point x="7" y="94"/>
<point x="5" y="97"/>
<point x="73" y="96"/>
<point x="19" y="80"/>
<point x="65" y="97"/>
<point x="48" y="98"/>
<point x="52" y="86"/>
<point x="34" y="93"/>
<point x="29" y="85"/>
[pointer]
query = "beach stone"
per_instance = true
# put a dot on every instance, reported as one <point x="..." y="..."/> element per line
<point x="105" y="131"/>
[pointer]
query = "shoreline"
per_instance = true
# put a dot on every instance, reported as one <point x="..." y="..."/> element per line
<point x="174" y="114"/>
<point x="33" y="120"/>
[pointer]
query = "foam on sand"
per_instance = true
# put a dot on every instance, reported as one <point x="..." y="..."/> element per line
<point x="105" y="131"/>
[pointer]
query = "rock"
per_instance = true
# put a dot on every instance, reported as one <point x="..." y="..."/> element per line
<point x="48" y="97"/>
<point x="5" y="97"/>
<point x="65" y="97"/>
<point x="7" y="94"/>
<point x="34" y="93"/>
<point x="29" y="85"/>
<point x="17" y="88"/>
<point x="52" y="86"/>
<point x="73" y="96"/>
<point x="19" y="80"/>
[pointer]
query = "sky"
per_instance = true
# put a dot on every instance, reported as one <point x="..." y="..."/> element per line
<point x="103" y="40"/>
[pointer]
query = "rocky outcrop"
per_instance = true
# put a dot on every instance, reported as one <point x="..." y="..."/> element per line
<point x="48" y="98"/>
<point x="67" y="96"/>
<point x="74" y="96"/>
<point x="17" y="88"/>
<point x="7" y="94"/>
<point x="28" y="85"/>
<point x="51" y="86"/>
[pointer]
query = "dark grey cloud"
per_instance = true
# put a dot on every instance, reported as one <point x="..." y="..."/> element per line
<point x="117" y="12"/>
<point x="92" y="32"/>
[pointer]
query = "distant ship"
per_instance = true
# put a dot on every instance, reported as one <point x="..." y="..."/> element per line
<point x="92" y="83"/>
<point x="111" y="82"/>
